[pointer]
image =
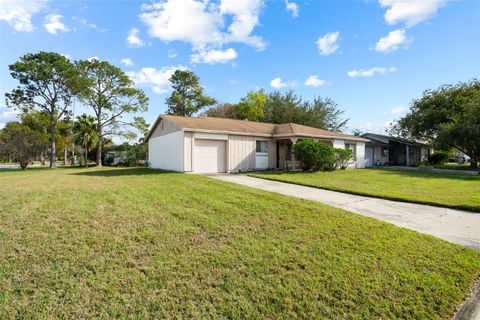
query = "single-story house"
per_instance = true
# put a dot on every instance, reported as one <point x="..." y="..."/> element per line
<point x="382" y="150"/>
<point x="204" y="144"/>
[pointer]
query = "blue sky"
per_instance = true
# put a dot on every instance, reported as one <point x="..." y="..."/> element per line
<point x="371" y="57"/>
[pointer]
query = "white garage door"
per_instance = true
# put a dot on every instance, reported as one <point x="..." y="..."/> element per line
<point x="209" y="156"/>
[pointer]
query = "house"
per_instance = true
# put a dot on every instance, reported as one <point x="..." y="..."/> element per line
<point x="381" y="150"/>
<point x="204" y="144"/>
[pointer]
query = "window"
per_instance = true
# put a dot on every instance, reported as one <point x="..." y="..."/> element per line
<point x="353" y="147"/>
<point x="262" y="147"/>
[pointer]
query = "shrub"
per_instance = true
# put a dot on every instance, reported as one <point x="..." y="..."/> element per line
<point x="314" y="155"/>
<point x="438" y="158"/>
<point x="342" y="158"/>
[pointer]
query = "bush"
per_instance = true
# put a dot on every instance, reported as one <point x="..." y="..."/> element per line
<point x="438" y="158"/>
<point x="314" y="155"/>
<point x="342" y="158"/>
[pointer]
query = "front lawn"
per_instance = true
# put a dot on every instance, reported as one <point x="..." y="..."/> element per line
<point x="138" y="244"/>
<point x="442" y="189"/>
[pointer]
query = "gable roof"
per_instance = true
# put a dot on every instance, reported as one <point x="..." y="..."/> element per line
<point x="245" y="127"/>
<point x="384" y="139"/>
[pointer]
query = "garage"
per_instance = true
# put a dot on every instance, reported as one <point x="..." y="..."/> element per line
<point x="209" y="156"/>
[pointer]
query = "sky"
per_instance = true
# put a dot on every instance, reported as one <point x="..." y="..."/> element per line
<point x="371" y="57"/>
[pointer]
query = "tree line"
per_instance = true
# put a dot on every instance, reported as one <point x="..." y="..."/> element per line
<point x="448" y="117"/>
<point x="48" y="84"/>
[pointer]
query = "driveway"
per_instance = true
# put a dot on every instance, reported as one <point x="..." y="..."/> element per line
<point x="457" y="226"/>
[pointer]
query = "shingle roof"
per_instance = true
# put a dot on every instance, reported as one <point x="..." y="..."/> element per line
<point x="222" y="125"/>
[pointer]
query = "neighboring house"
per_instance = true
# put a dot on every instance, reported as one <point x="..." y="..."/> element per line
<point x="383" y="150"/>
<point x="204" y="144"/>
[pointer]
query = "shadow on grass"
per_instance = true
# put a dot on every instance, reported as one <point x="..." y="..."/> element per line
<point x="399" y="172"/>
<point x="110" y="172"/>
<point x="423" y="174"/>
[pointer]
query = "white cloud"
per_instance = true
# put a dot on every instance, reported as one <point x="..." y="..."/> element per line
<point x="8" y="115"/>
<point x="278" y="83"/>
<point x="292" y="7"/>
<point x="133" y="39"/>
<point x="370" y="72"/>
<point x="214" y="56"/>
<point x="92" y="58"/>
<point x="53" y="24"/>
<point x="127" y="61"/>
<point x="376" y="127"/>
<point x="314" y="81"/>
<point x="328" y="44"/>
<point x="19" y="14"/>
<point x="172" y="53"/>
<point x="410" y="12"/>
<point x="157" y="79"/>
<point x="203" y="23"/>
<point x="396" y="111"/>
<point x="392" y="41"/>
<point x="86" y="23"/>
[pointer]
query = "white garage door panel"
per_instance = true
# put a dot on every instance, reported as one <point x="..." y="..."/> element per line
<point x="209" y="156"/>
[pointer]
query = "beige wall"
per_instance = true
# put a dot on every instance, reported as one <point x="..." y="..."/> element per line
<point x="272" y="154"/>
<point x="241" y="153"/>
<point x="167" y="129"/>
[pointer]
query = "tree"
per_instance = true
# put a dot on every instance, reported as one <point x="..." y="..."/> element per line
<point x="223" y="110"/>
<point x="111" y="95"/>
<point x="449" y="117"/>
<point x="320" y="113"/>
<point x="20" y="142"/>
<point x="85" y="133"/>
<point x="187" y="97"/>
<point x="252" y="106"/>
<point x="324" y="114"/>
<point x="48" y="82"/>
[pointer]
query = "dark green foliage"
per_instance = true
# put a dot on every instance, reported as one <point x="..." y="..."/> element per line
<point x="48" y="82"/>
<point x="438" y="158"/>
<point x="284" y="108"/>
<point x="20" y="143"/>
<point x="342" y="158"/>
<point x="187" y="97"/>
<point x="314" y="155"/>
<point x="449" y="116"/>
<point x="111" y="94"/>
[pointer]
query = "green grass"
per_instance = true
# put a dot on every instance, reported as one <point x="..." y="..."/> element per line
<point x="440" y="189"/>
<point x="137" y="244"/>
<point x="455" y="166"/>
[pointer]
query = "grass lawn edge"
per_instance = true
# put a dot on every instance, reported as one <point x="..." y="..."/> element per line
<point x="366" y="194"/>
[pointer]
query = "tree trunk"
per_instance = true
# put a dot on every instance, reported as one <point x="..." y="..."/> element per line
<point x="86" y="158"/>
<point x="98" y="160"/>
<point x="65" y="155"/>
<point x="474" y="162"/>
<point x="42" y="158"/>
<point x="53" y="150"/>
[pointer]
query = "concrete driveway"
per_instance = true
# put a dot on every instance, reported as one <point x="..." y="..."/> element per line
<point x="457" y="226"/>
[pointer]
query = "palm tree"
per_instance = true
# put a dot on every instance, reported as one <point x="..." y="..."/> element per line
<point x="85" y="133"/>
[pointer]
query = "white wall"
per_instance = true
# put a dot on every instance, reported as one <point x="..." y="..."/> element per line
<point x="166" y="152"/>
<point x="187" y="153"/>
<point x="360" y="154"/>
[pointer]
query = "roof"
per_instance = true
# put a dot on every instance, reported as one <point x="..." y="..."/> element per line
<point x="384" y="139"/>
<point x="245" y="127"/>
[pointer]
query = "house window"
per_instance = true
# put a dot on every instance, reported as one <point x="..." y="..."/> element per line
<point x="353" y="147"/>
<point x="262" y="147"/>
